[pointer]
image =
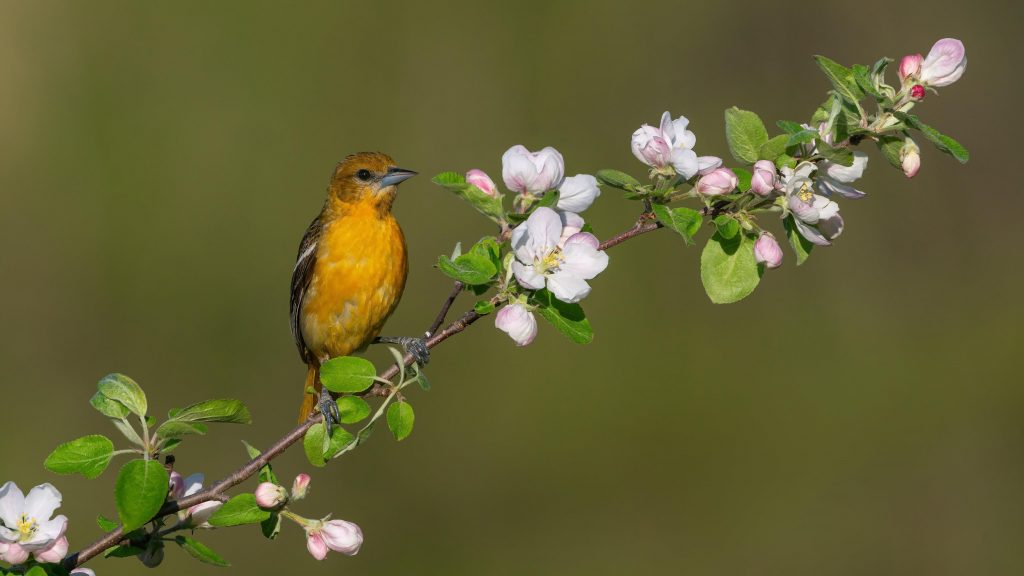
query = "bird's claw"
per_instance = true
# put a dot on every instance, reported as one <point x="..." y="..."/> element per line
<point x="329" y="408"/>
<point x="417" y="348"/>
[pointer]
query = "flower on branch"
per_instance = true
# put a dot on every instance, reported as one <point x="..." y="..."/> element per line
<point x="300" y="487"/>
<point x="26" y="527"/>
<point x="518" y="322"/>
<point x="543" y="259"/>
<point x="481" y="180"/>
<point x="528" y="172"/>
<point x="196" y="516"/>
<point x="945" y="63"/>
<point x="768" y="251"/>
<point x="835" y="178"/>
<point x="762" y="181"/>
<point x="336" y="535"/>
<point x="717" y="182"/>
<point x="269" y="495"/>
<point x="670" y="147"/>
<point x="910" y="158"/>
<point x="577" y="193"/>
<point x="816" y="217"/>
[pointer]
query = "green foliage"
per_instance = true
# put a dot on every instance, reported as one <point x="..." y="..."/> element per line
<point x="400" y="419"/>
<point x="843" y="156"/>
<point x="619" y="180"/>
<point x="347" y="374"/>
<point x="728" y="269"/>
<point x="140" y="491"/>
<point x="120" y="388"/>
<point x="108" y="407"/>
<point x="266" y="472"/>
<point x="240" y="509"/>
<point x="483" y="307"/>
<point x="842" y="79"/>
<point x="801" y="246"/>
<point x="106" y="524"/>
<point x="941" y="141"/>
<point x="773" y="148"/>
<point x="727" y="226"/>
<point x="271" y="527"/>
<point x="801" y="137"/>
<point x="200" y="551"/>
<point x="569" y="319"/>
<point x="88" y="456"/>
<point x="486" y="205"/>
<point x="220" y="410"/>
<point x="745" y="133"/>
<point x="175" y="429"/>
<point x="319" y="449"/>
<point x="890" y="147"/>
<point x="743" y="178"/>
<point x="352" y="409"/>
<point x="685" y="221"/>
<point x="471" y="268"/>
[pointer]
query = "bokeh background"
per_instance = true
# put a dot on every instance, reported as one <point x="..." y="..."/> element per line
<point x="859" y="415"/>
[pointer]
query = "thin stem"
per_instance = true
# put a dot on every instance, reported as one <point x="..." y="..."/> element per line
<point x="456" y="290"/>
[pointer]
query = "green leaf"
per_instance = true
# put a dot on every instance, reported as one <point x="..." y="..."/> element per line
<point x="744" y="178"/>
<point x="801" y="246"/>
<point x="801" y="137"/>
<point x="468" y="268"/>
<point x="126" y="430"/>
<point x="728" y="269"/>
<point x="176" y="429"/>
<point x="123" y="389"/>
<point x="486" y="205"/>
<point x="35" y="571"/>
<point x="219" y="410"/>
<point x="489" y="248"/>
<point x="773" y="148"/>
<point x="843" y="156"/>
<point x="271" y="527"/>
<point x="569" y="319"/>
<point x="400" y="419"/>
<point x="841" y="78"/>
<point x="785" y="161"/>
<point x="941" y="141"/>
<point x="790" y="127"/>
<point x="318" y="450"/>
<point x="347" y="374"/>
<point x="727" y="226"/>
<point x="891" y="147"/>
<point x="140" y="491"/>
<point x="123" y="552"/>
<point x="352" y="409"/>
<point x="746" y="134"/>
<point x="619" y="180"/>
<point x="266" y="472"/>
<point x="862" y="76"/>
<point x="240" y="509"/>
<point x="548" y="200"/>
<point x="685" y="221"/>
<point x="483" y="307"/>
<point x="88" y="456"/>
<point x="108" y="407"/>
<point x="106" y="524"/>
<point x="200" y="551"/>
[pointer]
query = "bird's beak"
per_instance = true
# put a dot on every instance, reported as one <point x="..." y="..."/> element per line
<point x="396" y="176"/>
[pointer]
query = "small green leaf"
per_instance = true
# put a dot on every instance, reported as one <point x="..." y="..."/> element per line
<point x="318" y="450"/>
<point x="843" y="156"/>
<point x="123" y="389"/>
<point x="468" y="268"/>
<point x="785" y="161"/>
<point x="801" y="246"/>
<point x="35" y="571"/>
<point x="743" y="177"/>
<point x="891" y="147"/>
<point x="489" y="248"/>
<point x="176" y="429"/>
<point x="773" y="148"/>
<point x="106" y="524"/>
<point x="266" y="472"/>
<point x="200" y="551"/>
<point x="619" y="180"/>
<point x="400" y="419"/>
<point x="685" y="221"/>
<point x="219" y="410"/>
<point x="347" y="374"/>
<point x="240" y="509"/>
<point x="745" y="133"/>
<point x="108" y="407"/>
<point x="790" y="127"/>
<point x="727" y="226"/>
<point x="126" y="430"/>
<point x="569" y="319"/>
<point x="862" y="76"/>
<point x="728" y="269"/>
<point x="801" y="137"/>
<point x="271" y="527"/>
<point x="485" y="204"/>
<point x="548" y="200"/>
<point x="352" y="409"/>
<point x="841" y="78"/>
<point x="140" y="491"/>
<point x="483" y="307"/>
<point x="941" y="141"/>
<point x="88" y="456"/>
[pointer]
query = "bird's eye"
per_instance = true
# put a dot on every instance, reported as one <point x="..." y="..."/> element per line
<point x="364" y="175"/>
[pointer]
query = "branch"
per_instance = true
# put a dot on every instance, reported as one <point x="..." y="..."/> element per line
<point x="646" y="223"/>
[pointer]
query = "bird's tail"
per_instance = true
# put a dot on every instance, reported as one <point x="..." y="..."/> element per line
<point x="309" y="400"/>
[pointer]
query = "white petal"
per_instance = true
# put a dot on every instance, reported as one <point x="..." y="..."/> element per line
<point x="41" y="502"/>
<point x="848" y="174"/>
<point x="568" y="287"/>
<point x="826" y="208"/>
<point x="7" y="535"/>
<point x="572" y="223"/>
<point x="527" y="276"/>
<point x="194" y="483"/>
<point x="831" y="227"/>
<point x="683" y="137"/>
<point x="707" y="164"/>
<point x="200" y="513"/>
<point x="811" y="233"/>
<point x="668" y="130"/>
<point x="12" y="504"/>
<point x="585" y="238"/>
<point x="804" y="211"/>
<point x="581" y="259"/>
<point x="543" y="230"/>
<point x="685" y="162"/>
<point x="578" y="192"/>
<point x="828" y="187"/>
<point x="47" y="532"/>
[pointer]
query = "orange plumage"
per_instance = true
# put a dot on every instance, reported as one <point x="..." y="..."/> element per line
<point x="351" y="267"/>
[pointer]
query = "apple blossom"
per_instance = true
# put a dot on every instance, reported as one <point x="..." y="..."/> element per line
<point x="25" y="523"/>
<point x="762" y="181"/>
<point x="945" y="63"/>
<point x="55" y="553"/>
<point x="671" y="145"/>
<point x="481" y="180"/>
<point x="300" y="486"/>
<point x="767" y="250"/>
<point x="270" y="495"/>
<point x="910" y="66"/>
<point x="528" y="172"/>
<point x="196" y="516"/>
<point x="577" y="193"/>
<point x="718" y="181"/>
<point x="816" y="217"/>
<point x="833" y="178"/>
<point x="337" y="535"/>
<point x="82" y="572"/>
<point x="910" y="158"/>
<point x="543" y="260"/>
<point x="518" y="322"/>
<point x="917" y="92"/>
<point x="13" y="553"/>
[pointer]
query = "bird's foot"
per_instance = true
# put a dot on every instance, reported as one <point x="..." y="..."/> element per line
<point x="415" y="347"/>
<point x="329" y="408"/>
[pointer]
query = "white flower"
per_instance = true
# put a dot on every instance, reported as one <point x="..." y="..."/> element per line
<point x="337" y="535"/>
<point x="817" y="218"/>
<point x="945" y="63"/>
<point x="835" y="178"/>
<point x="25" y="523"/>
<point x="197" y="516"/>
<point x="544" y="260"/>
<point x="671" y="144"/>
<point x="577" y="193"/>
<point x="532" y="172"/>
<point x="518" y="322"/>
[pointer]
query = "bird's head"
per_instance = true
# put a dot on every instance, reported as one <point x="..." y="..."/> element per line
<point x="368" y="177"/>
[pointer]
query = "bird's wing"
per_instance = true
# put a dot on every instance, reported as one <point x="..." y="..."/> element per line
<point x="301" y="276"/>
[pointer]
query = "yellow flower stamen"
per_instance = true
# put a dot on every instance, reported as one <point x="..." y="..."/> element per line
<point x="805" y="194"/>
<point x="27" y="527"/>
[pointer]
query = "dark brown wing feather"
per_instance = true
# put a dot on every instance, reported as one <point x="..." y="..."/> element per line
<point x="301" y="275"/>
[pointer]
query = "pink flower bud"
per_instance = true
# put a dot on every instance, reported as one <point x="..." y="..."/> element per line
<point x="316" y="546"/>
<point x="532" y="172"/>
<point x="481" y="180"/>
<point x="910" y="65"/>
<point x="54" y="553"/>
<point x="300" y="486"/>
<point x="718" y="181"/>
<point x="767" y="250"/>
<point x="270" y="495"/>
<point x="762" y="182"/>
<point x="917" y="92"/>
<point x="176" y="486"/>
<point x="518" y="322"/>
<point x="910" y="158"/>
<point x="342" y="536"/>
<point x="945" y="63"/>
<point x="12" y="553"/>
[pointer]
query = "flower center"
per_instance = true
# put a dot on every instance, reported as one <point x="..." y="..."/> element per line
<point x="550" y="261"/>
<point x="805" y="194"/>
<point x="27" y="527"/>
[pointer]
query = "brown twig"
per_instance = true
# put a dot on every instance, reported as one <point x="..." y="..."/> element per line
<point x="646" y="223"/>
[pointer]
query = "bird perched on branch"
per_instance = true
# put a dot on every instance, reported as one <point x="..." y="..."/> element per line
<point x="350" y="272"/>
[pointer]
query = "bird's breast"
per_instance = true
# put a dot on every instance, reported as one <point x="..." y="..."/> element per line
<point x="357" y="280"/>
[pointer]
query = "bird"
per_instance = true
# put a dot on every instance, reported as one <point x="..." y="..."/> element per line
<point x="349" y="273"/>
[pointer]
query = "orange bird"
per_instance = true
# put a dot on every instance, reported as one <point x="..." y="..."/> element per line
<point x="350" y="272"/>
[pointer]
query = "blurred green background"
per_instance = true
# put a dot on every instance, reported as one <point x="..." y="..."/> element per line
<point x="858" y="415"/>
